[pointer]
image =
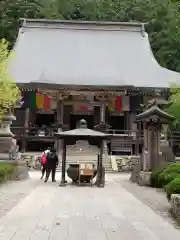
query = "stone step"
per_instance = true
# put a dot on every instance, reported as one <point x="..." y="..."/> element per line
<point x="108" y="167"/>
<point x="106" y="170"/>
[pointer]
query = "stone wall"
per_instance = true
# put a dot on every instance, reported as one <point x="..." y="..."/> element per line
<point x="175" y="203"/>
<point x="31" y="160"/>
<point x="126" y="163"/>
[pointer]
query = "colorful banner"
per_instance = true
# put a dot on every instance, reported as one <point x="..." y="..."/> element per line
<point x="36" y="100"/>
<point x="120" y="104"/>
<point x="39" y="100"/>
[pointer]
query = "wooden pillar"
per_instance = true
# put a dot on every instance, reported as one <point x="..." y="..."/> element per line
<point x="26" y="130"/>
<point x="101" y="170"/>
<point x="63" y="171"/>
<point x="60" y="111"/>
<point x="60" y="115"/>
<point x="102" y="112"/>
<point x="103" y="120"/>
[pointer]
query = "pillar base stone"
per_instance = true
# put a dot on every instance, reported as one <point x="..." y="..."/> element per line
<point x="175" y="203"/>
<point x="144" y="178"/>
<point x="20" y="171"/>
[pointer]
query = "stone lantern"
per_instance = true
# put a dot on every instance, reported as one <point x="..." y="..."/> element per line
<point x="7" y="142"/>
<point x="152" y="118"/>
<point x="9" y="151"/>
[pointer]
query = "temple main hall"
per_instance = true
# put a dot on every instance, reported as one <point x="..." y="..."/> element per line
<point x="73" y="70"/>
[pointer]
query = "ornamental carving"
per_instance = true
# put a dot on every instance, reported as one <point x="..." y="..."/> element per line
<point x="61" y="95"/>
<point x="102" y="96"/>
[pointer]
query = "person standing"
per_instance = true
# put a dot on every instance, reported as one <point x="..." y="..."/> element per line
<point x="51" y="164"/>
<point x="43" y="161"/>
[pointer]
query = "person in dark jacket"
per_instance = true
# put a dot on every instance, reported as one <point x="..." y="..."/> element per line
<point x="51" y="164"/>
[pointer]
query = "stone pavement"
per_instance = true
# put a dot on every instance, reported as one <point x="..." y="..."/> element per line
<point x="53" y="213"/>
<point x="12" y="192"/>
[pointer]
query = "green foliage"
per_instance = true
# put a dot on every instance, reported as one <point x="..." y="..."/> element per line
<point x="155" y="178"/>
<point x="6" y="171"/>
<point x="171" y="172"/>
<point x="173" y="188"/>
<point x="162" y="16"/>
<point x="9" y="92"/>
<point x="174" y="107"/>
<point x="173" y="167"/>
<point x="165" y="178"/>
<point x="161" y="177"/>
<point x="10" y="14"/>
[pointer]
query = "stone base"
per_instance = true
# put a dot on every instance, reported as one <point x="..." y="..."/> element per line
<point x="175" y="203"/>
<point x="136" y="169"/>
<point x="21" y="171"/>
<point x="144" y="178"/>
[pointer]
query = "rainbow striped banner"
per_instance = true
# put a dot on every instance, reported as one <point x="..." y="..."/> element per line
<point x="36" y="100"/>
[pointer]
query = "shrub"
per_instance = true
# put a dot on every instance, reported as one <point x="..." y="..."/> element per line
<point x="161" y="177"/>
<point x="155" y="178"/>
<point x="174" y="167"/>
<point x="165" y="177"/>
<point x="173" y="188"/>
<point x="6" y="170"/>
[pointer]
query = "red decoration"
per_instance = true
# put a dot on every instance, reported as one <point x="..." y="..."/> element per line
<point x="47" y="103"/>
<point x="118" y="104"/>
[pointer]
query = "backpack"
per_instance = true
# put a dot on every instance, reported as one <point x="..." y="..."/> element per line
<point x="43" y="159"/>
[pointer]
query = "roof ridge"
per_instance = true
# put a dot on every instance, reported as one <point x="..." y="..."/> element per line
<point x="30" y="22"/>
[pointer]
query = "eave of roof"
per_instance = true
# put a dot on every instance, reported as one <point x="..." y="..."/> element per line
<point x="89" y="54"/>
<point x="154" y="110"/>
<point x="84" y="133"/>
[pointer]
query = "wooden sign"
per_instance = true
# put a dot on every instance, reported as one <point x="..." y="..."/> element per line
<point x="86" y="169"/>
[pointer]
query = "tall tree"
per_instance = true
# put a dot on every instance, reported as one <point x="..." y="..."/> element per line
<point x="174" y="107"/>
<point x="10" y="14"/>
<point x="9" y="92"/>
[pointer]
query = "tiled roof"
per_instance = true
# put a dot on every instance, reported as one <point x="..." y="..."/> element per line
<point x="87" y="53"/>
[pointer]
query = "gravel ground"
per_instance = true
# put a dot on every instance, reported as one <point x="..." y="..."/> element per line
<point x="152" y="197"/>
<point x="13" y="192"/>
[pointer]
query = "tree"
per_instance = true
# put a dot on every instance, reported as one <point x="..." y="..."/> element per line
<point x="174" y="105"/>
<point x="10" y="14"/>
<point x="9" y="92"/>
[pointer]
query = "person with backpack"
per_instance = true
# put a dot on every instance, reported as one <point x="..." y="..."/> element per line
<point x="43" y="161"/>
<point x="51" y="164"/>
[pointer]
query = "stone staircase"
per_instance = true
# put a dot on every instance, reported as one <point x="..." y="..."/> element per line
<point x="122" y="144"/>
<point x="82" y="152"/>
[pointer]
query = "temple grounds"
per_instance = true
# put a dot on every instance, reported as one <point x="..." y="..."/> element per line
<point x="34" y="210"/>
